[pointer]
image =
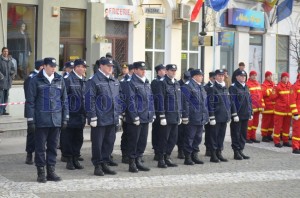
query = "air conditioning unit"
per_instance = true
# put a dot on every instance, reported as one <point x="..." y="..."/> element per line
<point x="183" y="12"/>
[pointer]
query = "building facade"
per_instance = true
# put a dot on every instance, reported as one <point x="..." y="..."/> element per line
<point x="155" y="31"/>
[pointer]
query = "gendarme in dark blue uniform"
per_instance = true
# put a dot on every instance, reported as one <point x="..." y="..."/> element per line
<point x="169" y="109"/>
<point x="102" y="101"/>
<point x="221" y="109"/>
<point x="72" y="137"/>
<point x="139" y="113"/>
<point x="241" y="97"/>
<point x="30" y="144"/>
<point x="160" y="70"/>
<point x="48" y="112"/>
<point x="195" y="115"/>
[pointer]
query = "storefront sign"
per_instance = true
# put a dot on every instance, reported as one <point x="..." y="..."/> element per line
<point x="154" y="10"/>
<point x="118" y="12"/>
<point x="248" y="18"/>
<point x="226" y="39"/>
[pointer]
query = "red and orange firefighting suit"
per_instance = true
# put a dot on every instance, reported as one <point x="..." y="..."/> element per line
<point x="285" y="107"/>
<point x="257" y="106"/>
<point x="296" y="123"/>
<point x="267" y="122"/>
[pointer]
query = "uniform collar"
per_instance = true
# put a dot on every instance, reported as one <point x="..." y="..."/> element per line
<point x="49" y="78"/>
<point x="107" y="76"/>
<point x="81" y="77"/>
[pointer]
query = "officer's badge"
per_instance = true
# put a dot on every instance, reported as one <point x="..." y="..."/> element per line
<point x="53" y="61"/>
<point x="110" y="62"/>
<point x="143" y="64"/>
<point x="174" y="66"/>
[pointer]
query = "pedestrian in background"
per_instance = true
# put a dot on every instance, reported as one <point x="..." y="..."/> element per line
<point x="237" y="71"/>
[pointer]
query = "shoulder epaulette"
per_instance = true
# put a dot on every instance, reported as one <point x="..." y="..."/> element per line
<point x="91" y="77"/>
<point x="187" y="82"/>
<point x="162" y="79"/>
<point x="212" y="85"/>
<point x="122" y="80"/>
<point x="129" y="79"/>
<point x="232" y="84"/>
<point x="66" y="76"/>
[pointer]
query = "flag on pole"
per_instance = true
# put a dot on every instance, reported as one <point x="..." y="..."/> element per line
<point x="269" y="4"/>
<point x="284" y="10"/>
<point x="217" y="5"/>
<point x="196" y="9"/>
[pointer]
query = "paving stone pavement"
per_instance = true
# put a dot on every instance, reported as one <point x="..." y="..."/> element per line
<point x="271" y="172"/>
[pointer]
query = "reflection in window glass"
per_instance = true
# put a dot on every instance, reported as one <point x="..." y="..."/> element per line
<point x="159" y="58"/>
<point x="72" y="23"/>
<point x="21" y="28"/>
<point x="194" y="32"/>
<point x="149" y="33"/>
<point x="149" y="59"/>
<point x="159" y="34"/>
<point x="184" y="62"/>
<point x="193" y="60"/>
<point x="282" y="60"/>
<point x="184" y="35"/>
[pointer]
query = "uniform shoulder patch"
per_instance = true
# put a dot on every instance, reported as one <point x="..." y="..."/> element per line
<point x="122" y="80"/>
<point x="129" y="79"/>
<point x="31" y="75"/>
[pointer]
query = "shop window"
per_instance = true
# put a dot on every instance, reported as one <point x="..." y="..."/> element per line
<point x="282" y="58"/>
<point x="189" y="46"/>
<point x="155" y="43"/>
<point x="21" y="37"/>
<point x="256" y="55"/>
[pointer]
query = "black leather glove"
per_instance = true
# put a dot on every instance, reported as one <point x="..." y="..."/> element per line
<point x="64" y="125"/>
<point x="31" y="127"/>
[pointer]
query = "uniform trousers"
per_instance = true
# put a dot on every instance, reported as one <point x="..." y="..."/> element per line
<point x="192" y="138"/>
<point x="72" y="141"/>
<point x="167" y="138"/>
<point x="238" y="131"/>
<point x="137" y="139"/>
<point x="30" y="143"/>
<point x="207" y="139"/>
<point x="103" y="139"/>
<point x="267" y="124"/>
<point x="296" y="135"/>
<point x="252" y="126"/>
<point x="124" y="139"/>
<point x="180" y="139"/>
<point x="46" y="140"/>
<point x="217" y="135"/>
<point x="155" y="134"/>
<point x="281" y="127"/>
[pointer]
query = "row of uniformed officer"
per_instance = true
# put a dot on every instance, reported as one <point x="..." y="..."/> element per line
<point x="139" y="113"/>
<point x="72" y="137"/>
<point x="194" y="115"/>
<point x="47" y="112"/>
<point x="30" y="143"/>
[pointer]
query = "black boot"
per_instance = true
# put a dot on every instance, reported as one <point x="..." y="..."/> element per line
<point x="180" y="154"/>
<point x="70" y="165"/>
<point x="125" y="159"/>
<point x="213" y="157"/>
<point x="161" y="162"/>
<point x="207" y="153"/>
<point x="112" y="162"/>
<point x="51" y="175"/>
<point x="220" y="156"/>
<point x="265" y="139"/>
<point x="132" y="166"/>
<point x="188" y="160"/>
<point x="243" y="155"/>
<point x="140" y="165"/>
<point x="41" y="174"/>
<point x="169" y="162"/>
<point x="287" y="144"/>
<point x="270" y="138"/>
<point x="156" y="157"/>
<point x="98" y="171"/>
<point x="237" y="155"/>
<point x="107" y="170"/>
<point x="196" y="159"/>
<point x="63" y="159"/>
<point x="76" y="163"/>
<point x="29" y="159"/>
<point x="80" y="159"/>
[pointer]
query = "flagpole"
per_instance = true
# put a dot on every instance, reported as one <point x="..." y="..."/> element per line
<point x="203" y="33"/>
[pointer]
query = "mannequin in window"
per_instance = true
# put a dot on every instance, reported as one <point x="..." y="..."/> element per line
<point x="23" y="48"/>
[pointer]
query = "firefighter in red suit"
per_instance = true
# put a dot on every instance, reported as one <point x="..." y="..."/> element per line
<point x="258" y="106"/>
<point x="296" y="122"/>
<point x="285" y="107"/>
<point x="267" y="123"/>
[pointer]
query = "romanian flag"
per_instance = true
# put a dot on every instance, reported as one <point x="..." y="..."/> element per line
<point x="196" y="9"/>
<point x="269" y="4"/>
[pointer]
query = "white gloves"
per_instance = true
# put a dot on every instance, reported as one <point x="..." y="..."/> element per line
<point x="93" y="123"/>
<point x="137" y="121"/>
<point x="212" y="122"/>
<point x="251" y="118"/>
<point x="236" y="119"/>
<point x="180" y="121"/>
<point x="185" y="120"/>
<point x="296" y="117"/>
<point x="163" y="122"/>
